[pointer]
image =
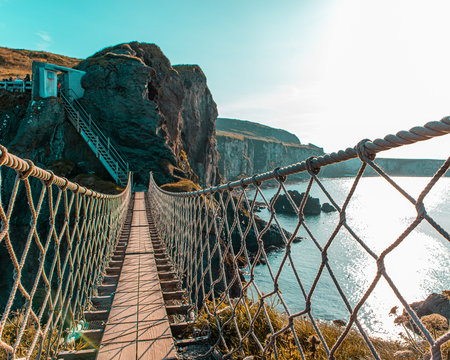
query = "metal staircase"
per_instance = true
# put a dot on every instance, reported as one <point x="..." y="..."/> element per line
<point x="99" y="143"/>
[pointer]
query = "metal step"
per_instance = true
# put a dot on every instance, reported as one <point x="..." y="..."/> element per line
<point x="79" y="354"/>
<point x="178" y="309"/>
<point x="181" y="328"/>
<point x="96" y="315"/>
<point x="192" y="341"/>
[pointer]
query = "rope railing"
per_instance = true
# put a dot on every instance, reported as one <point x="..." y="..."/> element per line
<point x="56" y="240"/>
<point x="216" y="242"/>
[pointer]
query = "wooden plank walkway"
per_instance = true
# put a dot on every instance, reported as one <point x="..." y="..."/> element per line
<point x="138" y="327"/>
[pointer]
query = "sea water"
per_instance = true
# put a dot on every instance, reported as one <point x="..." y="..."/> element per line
<point x="378" y="214"/>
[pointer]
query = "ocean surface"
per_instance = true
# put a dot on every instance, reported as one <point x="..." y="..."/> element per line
<point x="378" y="214"/>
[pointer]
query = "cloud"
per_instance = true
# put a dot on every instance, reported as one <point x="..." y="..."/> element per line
<point x="44" y="40"/>
<point x="44" y="36"/>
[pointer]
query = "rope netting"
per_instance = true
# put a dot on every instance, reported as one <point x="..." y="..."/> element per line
<point x="56" y="239"/>
<point x="238" y="291"/>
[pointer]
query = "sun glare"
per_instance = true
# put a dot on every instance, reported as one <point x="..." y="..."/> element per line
<point x="383" y="67"/>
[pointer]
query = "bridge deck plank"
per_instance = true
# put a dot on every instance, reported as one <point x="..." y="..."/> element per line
<point x="138" y="326"/>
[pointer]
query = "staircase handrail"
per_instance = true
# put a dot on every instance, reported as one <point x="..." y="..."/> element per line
<point x="93" y="123"/>
<point x="103" y="140"/>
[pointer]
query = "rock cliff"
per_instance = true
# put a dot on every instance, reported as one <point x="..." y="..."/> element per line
<point x="198" y="125"/>
<point x="161" y="117"/>
<point x="249" y="148"/>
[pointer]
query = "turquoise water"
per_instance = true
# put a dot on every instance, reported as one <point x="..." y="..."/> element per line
<point x="378" y="214"/>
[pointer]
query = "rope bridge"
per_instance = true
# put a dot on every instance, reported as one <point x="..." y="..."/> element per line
<point x="59" y="238"/>
<point x="206" y="233"/>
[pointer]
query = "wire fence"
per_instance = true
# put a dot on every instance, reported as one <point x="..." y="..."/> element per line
<point x="56" y="239"/>
<point x="216" y="242"/>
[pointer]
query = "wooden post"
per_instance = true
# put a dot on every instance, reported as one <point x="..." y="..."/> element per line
<point x="78" y="121"/>
<point x="96" y="138"/>
<point x="108" y="144"/>
<point x="90" y="121"/>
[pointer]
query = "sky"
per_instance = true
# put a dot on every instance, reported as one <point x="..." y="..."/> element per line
<point x="331" y="71"/>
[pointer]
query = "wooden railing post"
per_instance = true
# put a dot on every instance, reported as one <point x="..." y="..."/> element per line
<point x="96" y="146"/>
<point x="108" y="143"/>
<point x="78" y="121"/>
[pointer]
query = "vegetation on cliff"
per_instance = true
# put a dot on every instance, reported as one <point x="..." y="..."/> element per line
<point x="15" y="62"/>
<point x="353" y="346"/>
<point x="254" y="130"/>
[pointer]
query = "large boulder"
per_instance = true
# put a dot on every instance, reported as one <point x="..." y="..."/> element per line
<point x="283" y="205"/>
<point x="327" y="208"/>
<point x="161" y="117"/>
<point x="433" y="304"/>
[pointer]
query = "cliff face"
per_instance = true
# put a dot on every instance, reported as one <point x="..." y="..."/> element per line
<point x="198" y="123"/>
<point x="161" y="117"/>
<point x="243" y="155"/>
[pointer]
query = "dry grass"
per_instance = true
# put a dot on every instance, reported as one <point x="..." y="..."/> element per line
<point x="247" y="136"/>
<point x="353" y="347"/>
<point x="18" y="61"/>
<point x="12" y="329"/>
<point x="181" y="186"/>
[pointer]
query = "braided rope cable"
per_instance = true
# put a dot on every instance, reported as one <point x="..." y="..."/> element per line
<point x="27" y="168"/>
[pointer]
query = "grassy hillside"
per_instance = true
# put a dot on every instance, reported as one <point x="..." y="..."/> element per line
<point x="18" y="61"/>
<point x="240" y="128"/>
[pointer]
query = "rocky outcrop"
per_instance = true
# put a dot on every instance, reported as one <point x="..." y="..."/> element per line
<point x="433" y="304"/>
<point x="272" y="238"/>
<point x="161" y="117"/>
<point x="312" y="207"/>
<point x="433" y="310"/>
<point x="283" y="205"/>
<point x="327" y="208"/>
<point x="244" y="151"/>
